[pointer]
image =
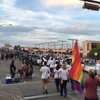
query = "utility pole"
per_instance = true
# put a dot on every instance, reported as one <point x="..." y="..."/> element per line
<point x="72" y="42"/>
<point x="48" y="45"/>
<point x="62" y="42"/>
<point x="54" y="44"/>
<point x="38" y="45"/>
<point x="67" y="45"/>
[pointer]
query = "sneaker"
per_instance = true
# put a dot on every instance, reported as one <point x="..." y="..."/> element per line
<point x="43" y="92"/>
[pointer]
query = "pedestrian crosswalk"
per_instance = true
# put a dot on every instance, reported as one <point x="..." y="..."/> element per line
<point x="49" y="95"/>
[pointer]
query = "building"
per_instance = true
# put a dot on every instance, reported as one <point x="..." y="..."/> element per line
<point x="88" y="45"/>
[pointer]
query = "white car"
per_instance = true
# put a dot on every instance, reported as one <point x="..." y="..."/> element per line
<point x="88" y="67"/>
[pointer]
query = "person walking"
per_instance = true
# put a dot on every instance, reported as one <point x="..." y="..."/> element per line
<point x="63" y="80"/>
<point x="90" y="85"/>
<point x="26" y="74"/>
<point x="56" y="76"/>
<point x="51" y="65"/>
<point x="44" y="76"/>
<point x="2" y="55"/>
<point x="97" y="68"/>
<point x="6" y="57"/>
<point x="23" y="66"/>
<point x="71" y="80"/>
<point x="12" y="70"/>
<point x="30" y="72"/>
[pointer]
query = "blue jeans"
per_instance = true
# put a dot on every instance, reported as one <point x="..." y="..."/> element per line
<point x="72" y="84"/>
<point x="63" y="86"/>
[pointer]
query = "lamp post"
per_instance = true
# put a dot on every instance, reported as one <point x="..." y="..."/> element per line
<point x="95" y="54"/>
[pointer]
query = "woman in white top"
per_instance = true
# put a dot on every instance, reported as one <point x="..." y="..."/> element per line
<point x="56" y="76"/>
<point x="63" y="80"/>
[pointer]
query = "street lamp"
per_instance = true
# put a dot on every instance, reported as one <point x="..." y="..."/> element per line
<point x="95" y="54"/>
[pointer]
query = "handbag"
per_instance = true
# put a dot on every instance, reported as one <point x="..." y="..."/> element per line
<point x="61" y="81"/>
<point x="49" y="79"/>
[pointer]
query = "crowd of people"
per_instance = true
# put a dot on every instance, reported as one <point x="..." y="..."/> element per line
<point x="57" y="67"/>
<point x="25" y="72"/>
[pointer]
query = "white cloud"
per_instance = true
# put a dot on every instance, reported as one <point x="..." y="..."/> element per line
<point x="20" y="16"/>
<point x="55" y="3"/>
<point x="48" y="26"/>
<point x="9" y="2"/>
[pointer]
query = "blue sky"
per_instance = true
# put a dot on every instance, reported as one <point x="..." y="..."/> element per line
<point x="39" y="21"/>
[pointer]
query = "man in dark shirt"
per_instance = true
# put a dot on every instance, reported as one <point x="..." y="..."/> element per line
<point x="12" y="69"/>
<point x="91" y="84"/>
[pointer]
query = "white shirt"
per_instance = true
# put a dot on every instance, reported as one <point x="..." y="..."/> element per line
<point x="63" y="73"/>
<point x="48" y="62"/>
<point x="83" y="66"/>
<point x="38" y="61"/>
<point x="45" y="71"/>
<point x="61" y="62"/>
<point x="98" y="67"/>
<point x="59" y="72"/>
<point x="55" y="65"/>
<point x="68" y="67"/>
<point x="51" y="63"/>
<point x="56" y="76"/>
<point x="44" y="59"/>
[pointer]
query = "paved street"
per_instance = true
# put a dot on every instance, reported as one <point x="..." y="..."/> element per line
<point x="33" y="89"/>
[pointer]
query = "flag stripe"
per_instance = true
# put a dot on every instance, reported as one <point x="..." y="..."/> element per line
<point x="78" y="87"/>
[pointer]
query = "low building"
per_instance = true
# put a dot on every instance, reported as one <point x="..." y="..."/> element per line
<point x="88" y="45"/>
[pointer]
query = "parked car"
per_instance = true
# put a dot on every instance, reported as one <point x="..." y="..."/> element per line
<point x="22" y="57"/>
<point x="88" y="67"/>
<point x="34" y="58"/>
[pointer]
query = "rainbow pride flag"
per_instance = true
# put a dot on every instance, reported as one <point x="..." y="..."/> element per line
<point x="76" y="71"/>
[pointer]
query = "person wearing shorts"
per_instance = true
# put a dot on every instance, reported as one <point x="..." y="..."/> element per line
<point x="44" y="76"/>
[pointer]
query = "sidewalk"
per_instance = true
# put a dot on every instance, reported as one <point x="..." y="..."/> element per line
<point x="7" y="96"/>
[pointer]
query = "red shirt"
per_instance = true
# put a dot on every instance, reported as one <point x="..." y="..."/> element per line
<point x="91" y="87"/>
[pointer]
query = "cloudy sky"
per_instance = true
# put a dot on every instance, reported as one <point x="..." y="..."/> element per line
<point x="39" y="21"/>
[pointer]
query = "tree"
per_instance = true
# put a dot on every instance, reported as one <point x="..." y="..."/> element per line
<point x="92" y="52"/>
<point x="17" y="47"/>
